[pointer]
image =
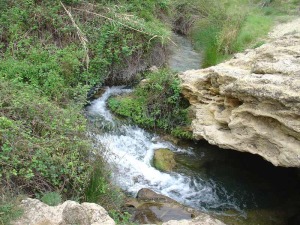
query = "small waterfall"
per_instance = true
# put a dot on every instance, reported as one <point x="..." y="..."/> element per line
<point x="234" y="185"/>
<point x="130" y="149"/>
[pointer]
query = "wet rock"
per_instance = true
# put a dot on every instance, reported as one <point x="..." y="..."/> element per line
<point x="147" y="195"/>
<point x="152" y="212"/>
<point x="171" y="138"/>
<point x="251" y="103"/>
<point x="155" y="208"/>
<point x="68" y="213"/>
<point x="99" y="92"/>
<point x="164" y="160"/>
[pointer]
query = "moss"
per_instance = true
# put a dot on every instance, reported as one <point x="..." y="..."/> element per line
<point x="164" y="160"/>
<point x="156" y="104"/>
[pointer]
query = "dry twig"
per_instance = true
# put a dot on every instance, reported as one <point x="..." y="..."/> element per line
<point x="81" y="36"/>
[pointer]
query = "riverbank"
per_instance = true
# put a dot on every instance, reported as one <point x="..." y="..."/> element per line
<point x="52" y="53"/>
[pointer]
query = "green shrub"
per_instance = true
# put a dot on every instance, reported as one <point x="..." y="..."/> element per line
<point x="9" y="209"/>
<point x="48" y="61"/>
<point x="42" y="147"/>
<point x="156" y="104"/>
<point x="51" y="198"/>
<point x="100" y="188"/>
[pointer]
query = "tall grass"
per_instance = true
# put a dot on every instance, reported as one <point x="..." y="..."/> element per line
<point x="222" y="28"/>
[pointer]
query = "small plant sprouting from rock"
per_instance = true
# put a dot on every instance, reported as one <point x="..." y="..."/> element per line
<point x="51" y="198"/>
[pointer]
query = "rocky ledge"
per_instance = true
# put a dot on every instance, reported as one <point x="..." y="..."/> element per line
<point x="251" y="103"/>
<point x="68" y="213"/>
<point x="71" y="213"/>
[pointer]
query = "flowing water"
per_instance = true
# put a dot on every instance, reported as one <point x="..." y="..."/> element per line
<point x="227" y="183"/>
<point x="183" y="57"/>
<point x="131" y="150"/>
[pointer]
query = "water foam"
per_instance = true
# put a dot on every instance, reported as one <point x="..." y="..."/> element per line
<point x="130" y="149"/>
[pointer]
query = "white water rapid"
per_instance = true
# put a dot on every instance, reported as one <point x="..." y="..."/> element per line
<point x="130" y="149"/>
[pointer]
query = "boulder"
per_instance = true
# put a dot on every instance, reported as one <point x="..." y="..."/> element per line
<point x="154" y="208"/>
<point x="68" y="213"/>
<point x="156" y="213"/>
<point x="164" y="160"/>
<point x="251" y="103"/>
<point x="147" y="195"/>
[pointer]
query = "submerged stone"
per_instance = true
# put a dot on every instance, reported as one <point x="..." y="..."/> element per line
<point x="164" y="160"/>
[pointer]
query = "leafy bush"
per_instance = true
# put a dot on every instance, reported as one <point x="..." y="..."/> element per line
<point x="50" y="55"/>
<point x="156" y="103"/>
<point x="61" y="50"/>
<point x="42" y="147"/>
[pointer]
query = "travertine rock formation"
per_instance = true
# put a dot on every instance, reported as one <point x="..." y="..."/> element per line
<point x="251" y="103"/>
<point x="68" y="213"/>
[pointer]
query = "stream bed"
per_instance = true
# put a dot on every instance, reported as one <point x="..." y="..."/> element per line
<point x="238" y="188"/>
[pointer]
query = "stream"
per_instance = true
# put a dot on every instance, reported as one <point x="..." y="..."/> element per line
<point x="238" y="188"/>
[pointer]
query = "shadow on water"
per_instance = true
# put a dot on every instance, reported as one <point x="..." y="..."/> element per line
<point x="267" y="194"/>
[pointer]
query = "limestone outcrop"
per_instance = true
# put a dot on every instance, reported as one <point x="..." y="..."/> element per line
<point x="251" y="103"/>
<point x="68" y="213"/>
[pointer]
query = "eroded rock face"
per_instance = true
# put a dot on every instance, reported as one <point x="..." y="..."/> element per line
<point x="68" y="213"/>
<point x="251" y="103"/>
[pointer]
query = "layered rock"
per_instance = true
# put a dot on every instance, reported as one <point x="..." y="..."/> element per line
<point x="251" y="103"/>
<point x="68" y="213"/>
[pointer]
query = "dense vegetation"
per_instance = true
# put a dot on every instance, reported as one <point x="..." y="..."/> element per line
<point x="52" y="52"/>
<point x="156" y="103"/>
<point x="220" y="28"/>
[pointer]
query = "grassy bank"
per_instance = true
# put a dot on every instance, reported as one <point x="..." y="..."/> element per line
<point x="156" y="104"/>
<point x="222" y="28"/>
